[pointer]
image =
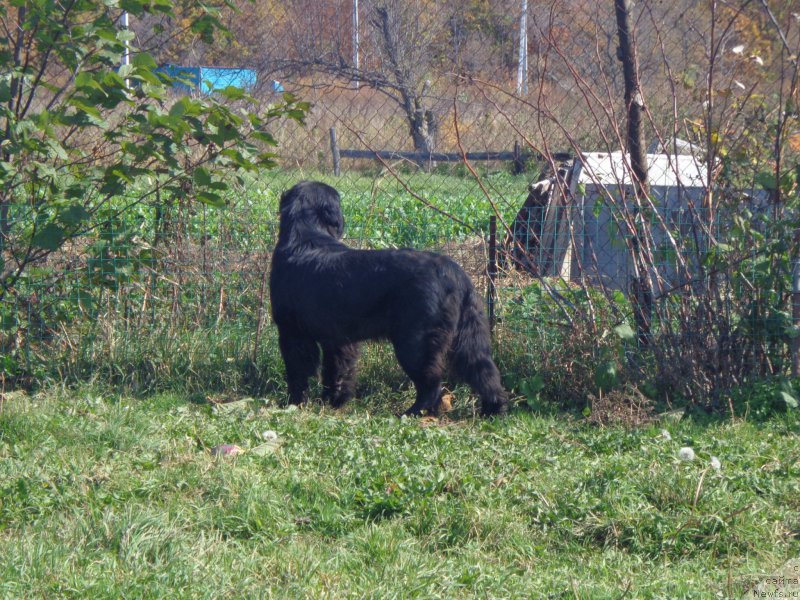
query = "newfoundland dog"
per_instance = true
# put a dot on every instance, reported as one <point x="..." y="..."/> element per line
<point x="329" y="297"/>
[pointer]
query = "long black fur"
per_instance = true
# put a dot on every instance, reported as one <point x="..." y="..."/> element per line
<point x="329" y="297"/>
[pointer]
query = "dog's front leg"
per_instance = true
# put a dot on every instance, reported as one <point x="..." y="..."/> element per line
<point x="339" y="373"/>
<point x="429" y="395"/>
<point x="301" y="358"/>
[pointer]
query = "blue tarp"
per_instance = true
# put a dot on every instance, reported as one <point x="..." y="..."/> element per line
<point x="209" y="79"/>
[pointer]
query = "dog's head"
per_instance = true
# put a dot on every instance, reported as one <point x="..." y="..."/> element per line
<point x="311" y="207"/>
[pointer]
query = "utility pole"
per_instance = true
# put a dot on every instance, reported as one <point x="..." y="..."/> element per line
<point x="355" y="42"/>
<point x="522" y="62"/>
<point x="126" y="54"/>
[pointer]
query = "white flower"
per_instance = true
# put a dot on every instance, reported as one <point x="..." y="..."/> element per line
<point x="715" y="464"/>
<point x="738" y="49"/>
<point x="739" y="84"/>
<point x="269" y="435"/>
<point x="758" y="60"/>
<point x="686" y="453"/>
<point x="665" y="434"/>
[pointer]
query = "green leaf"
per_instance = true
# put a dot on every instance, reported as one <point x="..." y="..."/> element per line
<point x="625" y="332"/>
<point x="73" y="215"/>
<point x="8" y="320"/>
<point x="50" y="237"/>
<point x="532" y="387"/>
<point x="210" y="198"/>
<point x="767" y="181"/>
<point x="201" y="177"/>
<point x="84" y="299"/>
<point x="126" y="70"/>
<point x="265" y="137"/>
<point x="5" y="91"/>
<point x="205" y="27"/>
<point x="788" y="400"/>
<point x="605" y="376"/>
<point x="85" y="107"/>
<point x="144" y="60"/>
<point x="267" y="448"/>
<point x="232" y="93"/>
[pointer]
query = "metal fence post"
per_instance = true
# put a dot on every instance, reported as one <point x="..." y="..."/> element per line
<point x="796" y="317"/>
<point x="492" y="269"/>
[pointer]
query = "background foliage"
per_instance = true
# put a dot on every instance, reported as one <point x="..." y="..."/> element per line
<point x="118" y="265"/>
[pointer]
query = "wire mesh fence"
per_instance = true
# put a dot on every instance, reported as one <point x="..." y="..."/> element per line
<point x="433" y="118"/>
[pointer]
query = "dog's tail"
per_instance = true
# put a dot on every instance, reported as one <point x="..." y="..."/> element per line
<point x="471" y="358"/>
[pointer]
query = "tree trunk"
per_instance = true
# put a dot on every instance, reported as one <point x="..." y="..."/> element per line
<point x="640" y="286"/>
<point x="423" y="128"/>
<point x="634" y="101"/>
<point x="421" y="120"/>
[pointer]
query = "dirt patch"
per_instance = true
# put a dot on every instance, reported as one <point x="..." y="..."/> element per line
<point x="627" y="407"/>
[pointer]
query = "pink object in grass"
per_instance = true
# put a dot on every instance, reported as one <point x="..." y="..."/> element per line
<point x="226" y="450"/>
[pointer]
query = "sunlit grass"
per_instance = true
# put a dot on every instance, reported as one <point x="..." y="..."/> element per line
<point x="109" y="496"/>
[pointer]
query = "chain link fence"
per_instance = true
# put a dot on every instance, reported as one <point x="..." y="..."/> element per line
<point x="434" y="120"/>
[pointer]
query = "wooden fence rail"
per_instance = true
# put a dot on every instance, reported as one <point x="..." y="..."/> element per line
<point x="518" y="156"/>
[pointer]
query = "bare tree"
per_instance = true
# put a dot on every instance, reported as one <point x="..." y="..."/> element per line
<point x="399" y="47"/>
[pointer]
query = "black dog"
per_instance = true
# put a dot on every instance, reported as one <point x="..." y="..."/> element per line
<point x="325" y="294"/>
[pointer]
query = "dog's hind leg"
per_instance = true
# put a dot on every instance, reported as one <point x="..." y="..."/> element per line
<point x="429" y="393"/>
<point x="339" y="372"/>
<point x="472" y="357"/>
<point x="301" y="357"/>
<point x="422" y="357"/>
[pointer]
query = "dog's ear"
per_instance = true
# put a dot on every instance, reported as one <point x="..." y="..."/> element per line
<point x="329" y="213"/>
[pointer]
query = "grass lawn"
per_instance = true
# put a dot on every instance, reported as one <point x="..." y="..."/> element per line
<point x="107" y="496"/>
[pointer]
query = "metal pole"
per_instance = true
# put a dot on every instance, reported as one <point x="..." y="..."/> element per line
<point x="796" y="317"/>
<point x="522" y="61"/>
<point x="355" y="42"/>
<point x="492" y="269"/>
<point x="126" y="53"/>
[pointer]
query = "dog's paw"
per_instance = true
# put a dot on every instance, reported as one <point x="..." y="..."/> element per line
<point x="498" y="409"/>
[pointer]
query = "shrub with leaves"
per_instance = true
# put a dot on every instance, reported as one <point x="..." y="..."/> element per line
<point x="87" y="139"/>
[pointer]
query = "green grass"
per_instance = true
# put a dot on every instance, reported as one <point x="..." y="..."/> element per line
<point x="108" y="496"/>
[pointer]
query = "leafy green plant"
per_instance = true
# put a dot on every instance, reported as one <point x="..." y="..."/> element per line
<point x="576" y="339"/>
<point x="763" y="399"/>
<point x="86" y="140"/>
